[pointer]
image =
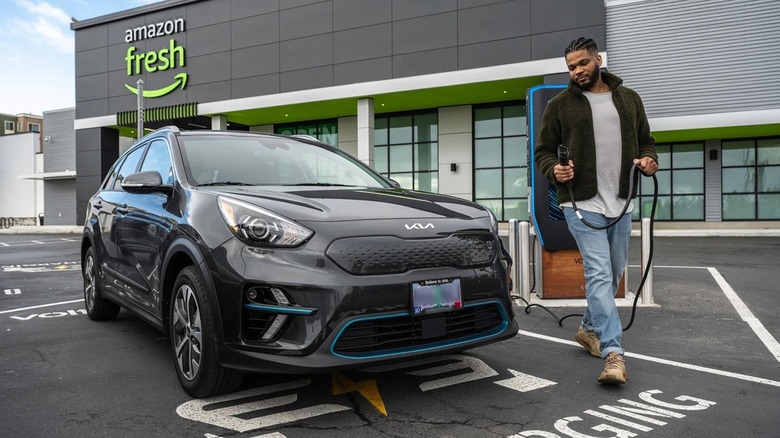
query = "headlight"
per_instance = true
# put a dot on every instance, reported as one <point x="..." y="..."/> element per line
<point x="258" y="226"/>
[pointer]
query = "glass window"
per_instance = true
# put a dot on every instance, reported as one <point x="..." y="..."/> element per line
<point x="128" y="166"/>
<point x="768" y="179"/>
<point x="401" y="158"/>
<point x="400" y="129"/>
<point x="680" y="184"/>
<point x="380" y="132"/>
<point x="738" y="153"/>
<point x="769" y="206"/>
<point x="688" y="155"/>
<point x="158" y="158"/>
<point x="768" y="152"/>
<point x="750" y="179"/>
<point x="33" y="127"/>
<point x="325" y="131"/>
<point x="487" y="153"/>
<point x="380" y="159"/>
<point x="501" y="160"/>
<point x="426" y="128"/>
<point x="688" y="207"/>
<point x="9" y="126"/>
<point x="425" y="156"/>
<point x="406" y="149"/>
<point x="739" y="207"/>
<point x="515" y="153"/>
<point x="738" y="180"/>
<point x="487" y="183"/>
<point x="487" y="122"/>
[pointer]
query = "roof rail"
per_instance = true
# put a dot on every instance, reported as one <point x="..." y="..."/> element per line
<point x="172" y="128"/>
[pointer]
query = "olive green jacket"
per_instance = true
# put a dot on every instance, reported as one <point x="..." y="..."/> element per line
<point x="568" y="120"/>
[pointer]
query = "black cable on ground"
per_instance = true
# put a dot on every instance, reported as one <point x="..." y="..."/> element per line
<point x="634" y="169"/>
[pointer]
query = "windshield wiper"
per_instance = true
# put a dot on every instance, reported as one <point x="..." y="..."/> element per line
<point x="321" y="184"/>
<point x="225" y="183"/>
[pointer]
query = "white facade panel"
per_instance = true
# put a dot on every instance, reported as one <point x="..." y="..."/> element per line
<point x="17" y="157"/>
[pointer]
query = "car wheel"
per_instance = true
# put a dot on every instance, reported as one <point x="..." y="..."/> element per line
<point x="98" y="308"/>
<point x="192" y="330"/>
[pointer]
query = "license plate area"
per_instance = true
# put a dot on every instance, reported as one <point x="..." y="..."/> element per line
<point x="434" y="296"/>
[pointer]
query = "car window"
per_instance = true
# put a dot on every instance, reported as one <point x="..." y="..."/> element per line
<point x="109" y="181"/>
<point x="158" y="158"/>
<point x="129" y="166"/>
<point x="271" y="161"/>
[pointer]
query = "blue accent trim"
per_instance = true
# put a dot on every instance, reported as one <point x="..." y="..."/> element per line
<point x="532" y="145"/>
<point x="281" y="309"/>
<point x="423" y="348"/>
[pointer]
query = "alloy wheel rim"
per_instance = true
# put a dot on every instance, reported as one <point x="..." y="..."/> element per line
<point x="187" y="332"/>
<point x="89" y="282"/>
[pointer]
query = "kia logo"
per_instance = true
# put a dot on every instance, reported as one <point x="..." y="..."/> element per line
<point x="418" y="226"/>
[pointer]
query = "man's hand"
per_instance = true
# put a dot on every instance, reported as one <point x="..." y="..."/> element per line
<point x="564" y="173"/>
<point x="647" y="165"/>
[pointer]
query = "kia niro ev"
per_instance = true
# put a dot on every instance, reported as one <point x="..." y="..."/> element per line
<point x="275" y="254"/>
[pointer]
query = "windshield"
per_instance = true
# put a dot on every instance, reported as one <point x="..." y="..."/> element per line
<point x="245" y="160"/>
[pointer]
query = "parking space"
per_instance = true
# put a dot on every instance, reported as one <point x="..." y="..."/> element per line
<point x="696" y="366"/>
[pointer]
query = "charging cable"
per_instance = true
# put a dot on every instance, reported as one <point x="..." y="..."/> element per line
<point x="563" y="158"/>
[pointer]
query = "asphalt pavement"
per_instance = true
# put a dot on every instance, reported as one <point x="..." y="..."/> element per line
<point x="704" y="361"/>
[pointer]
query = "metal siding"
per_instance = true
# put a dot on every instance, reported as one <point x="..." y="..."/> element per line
<point x="60" y="150"/>
<point x="712" y="180"/>
<point x="59" y="202"/>
<point x="697" y="56"/>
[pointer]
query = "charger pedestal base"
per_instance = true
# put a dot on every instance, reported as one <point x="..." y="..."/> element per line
<point x="563" y="275"/>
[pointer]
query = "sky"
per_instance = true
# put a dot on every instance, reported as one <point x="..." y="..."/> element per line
<point x="37" y="69"/>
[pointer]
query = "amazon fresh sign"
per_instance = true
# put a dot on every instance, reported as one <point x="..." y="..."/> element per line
<point x="170" y="55"/>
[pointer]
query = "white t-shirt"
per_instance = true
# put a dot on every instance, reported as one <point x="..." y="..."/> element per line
<point x="609" y="151"/>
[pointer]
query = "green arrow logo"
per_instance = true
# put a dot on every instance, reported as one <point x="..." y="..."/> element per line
<point x="181" y="78"/>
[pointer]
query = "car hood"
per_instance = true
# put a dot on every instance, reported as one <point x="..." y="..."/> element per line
<point x="348" y="203"/>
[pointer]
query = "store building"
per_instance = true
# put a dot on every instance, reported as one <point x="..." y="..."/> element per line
<point x="432" y="93"/>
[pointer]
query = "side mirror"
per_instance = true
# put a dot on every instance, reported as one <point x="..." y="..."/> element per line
<point x="143" y="182"/>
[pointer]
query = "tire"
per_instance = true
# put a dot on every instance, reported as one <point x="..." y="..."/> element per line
<point x="192" y="331"/>
<point x="98" y="308"/>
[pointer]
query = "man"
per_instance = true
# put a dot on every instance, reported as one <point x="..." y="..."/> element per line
<point x="604" y="126"/>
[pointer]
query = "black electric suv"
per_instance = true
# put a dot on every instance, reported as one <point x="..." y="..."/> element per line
<point x="276" y="254"/>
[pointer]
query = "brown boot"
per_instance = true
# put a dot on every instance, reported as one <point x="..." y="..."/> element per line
<point x="589" y="340"/>
<point x="614" y="370"/>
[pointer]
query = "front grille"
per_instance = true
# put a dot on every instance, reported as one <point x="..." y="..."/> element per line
<point x="403" y="333"/>
<point x="392" y="255"/>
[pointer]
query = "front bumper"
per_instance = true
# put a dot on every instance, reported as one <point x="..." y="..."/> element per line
<point x="336" y="320"/>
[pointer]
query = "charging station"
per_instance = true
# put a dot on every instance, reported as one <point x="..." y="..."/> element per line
<point x="558" y="270"/>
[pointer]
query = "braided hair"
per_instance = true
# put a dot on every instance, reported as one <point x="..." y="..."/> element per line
<point x="582" y="43"/>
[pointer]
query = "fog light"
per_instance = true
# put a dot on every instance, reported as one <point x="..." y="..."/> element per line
<point x="274" y="328"/>
<point x="251" y="295"/>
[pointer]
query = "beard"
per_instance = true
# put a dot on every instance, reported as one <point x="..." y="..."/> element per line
<point x="592" y="79"/>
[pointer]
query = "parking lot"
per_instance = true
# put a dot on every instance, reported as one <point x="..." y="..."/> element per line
<point x="703" y="362"/>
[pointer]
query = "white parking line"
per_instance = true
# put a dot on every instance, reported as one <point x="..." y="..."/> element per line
<point x="38" y="307"/>
<point x="664" y="361"/>
<point x="769" y="341"/>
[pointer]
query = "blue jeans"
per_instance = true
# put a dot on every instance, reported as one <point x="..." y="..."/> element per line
<point x="604" y="254"/>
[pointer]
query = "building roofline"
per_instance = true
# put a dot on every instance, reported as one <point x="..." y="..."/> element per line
<point x="121" y="15"/>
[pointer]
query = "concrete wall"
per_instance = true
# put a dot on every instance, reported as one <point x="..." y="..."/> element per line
<point x="17" y="157"/>
<point x="455" y="146"/>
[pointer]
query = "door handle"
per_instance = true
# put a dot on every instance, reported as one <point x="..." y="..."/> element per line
<point x="122" y="210"/>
